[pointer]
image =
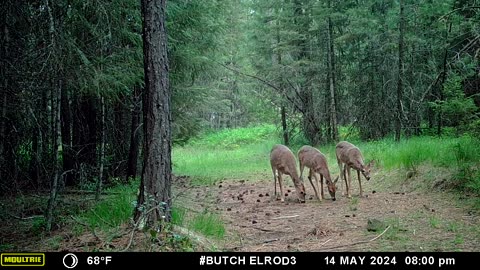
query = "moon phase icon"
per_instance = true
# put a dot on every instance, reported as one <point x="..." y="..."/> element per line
<point x="70" y="260"/>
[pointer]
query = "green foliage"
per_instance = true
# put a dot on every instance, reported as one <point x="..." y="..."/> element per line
<point x="456" y="108"/>
<point x="6" y="247"/>
<point x="232" y="138"/>
<point x="209" y="164"/>
<point x="467" y="160"/>
<point x="209" y="224"/>
<point x="113" y="210"/>
<point x="179" y="243"/>
<point x="38" y="225"/>
<point x="434" y="222"/>
<point x="178" y="215"/>
<point x="231" y="153"/>
<point x="396" y="231"/>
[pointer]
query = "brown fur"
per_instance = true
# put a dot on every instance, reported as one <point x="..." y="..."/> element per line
<point x="313" y="159"/>
<point x="349" y="155"/>
<point x="283" y="161"/>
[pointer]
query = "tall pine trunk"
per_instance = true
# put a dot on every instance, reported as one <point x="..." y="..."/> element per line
<point x="56" y="95"/>
<point x="67" y="153"/>
<point x="154" y="199"/>
<point x="283" y="113"/>
<point x="102" y="150"/>
<point x="56" y="159"/>
<point x="331" y="69"/>
<point x="399" y="114"/>
<point x="134" y="136"/>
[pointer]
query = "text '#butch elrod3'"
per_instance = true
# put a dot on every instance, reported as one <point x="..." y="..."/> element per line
<point x="247" y="260"/>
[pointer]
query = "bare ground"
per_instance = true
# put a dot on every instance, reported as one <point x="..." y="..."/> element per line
<point x="416" y="221"/>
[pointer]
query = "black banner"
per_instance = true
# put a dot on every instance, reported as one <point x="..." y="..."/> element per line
<point x="244" y="260"/>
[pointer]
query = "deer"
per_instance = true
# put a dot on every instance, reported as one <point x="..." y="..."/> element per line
<point x="313" y="159"/>
<point x="350" y="156"/>
<point x="283" y="161"/>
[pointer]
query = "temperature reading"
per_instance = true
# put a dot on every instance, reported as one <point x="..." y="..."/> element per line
<point x="96" y="260"/>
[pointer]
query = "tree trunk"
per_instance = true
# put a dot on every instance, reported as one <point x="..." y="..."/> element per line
<point x="440" y="88"/>
<point x="284" y="125"/>
<point x="282" y="87"/>
<point x="331" y="69"/>
<point x="120" y="137"/>
<point x="3" y="123"/>
<point x="56" y="121"/>
<point x="35" y="157"/>
<point x="85" y="137"/>
<point x="154" y="199"/>
<point x="134" y="136"/>
<point x="57" y="166"/>
<point x="311" y="128"/>
<point x="67" y="155"/>
<point x="398" y="122"/>
<point x="102" y="150"/>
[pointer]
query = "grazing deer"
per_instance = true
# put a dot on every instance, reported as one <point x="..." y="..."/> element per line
<point x="313" y="159"/>
<point x="351" y="156"/>
<point x="283" y="162"/>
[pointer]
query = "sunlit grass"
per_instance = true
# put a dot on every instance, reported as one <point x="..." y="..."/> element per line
<point x="244" y="153"/>
<point x="220" y="156"/>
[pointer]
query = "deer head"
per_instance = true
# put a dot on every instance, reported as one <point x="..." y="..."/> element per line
<point x="366" y="169"/>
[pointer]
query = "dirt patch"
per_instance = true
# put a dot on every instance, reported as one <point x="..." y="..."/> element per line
<point x="256" y="221"/>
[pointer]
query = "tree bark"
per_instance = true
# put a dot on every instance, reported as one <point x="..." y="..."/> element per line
<point x="67" y="155"/>
<point x="154" y="199"/>
<point x="282" y="87"/>
<point x="440" y="88"/>
<point x="102" y="150"/>
<point x="284" y="125"/>
<point x="57" y="166"/>
<point x="56" y="130"/>
<point x="398" y="120"/>
<point x="331" y="69"/>
<point x="134" y="136"/>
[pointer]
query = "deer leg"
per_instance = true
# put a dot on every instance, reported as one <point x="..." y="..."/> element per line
<point x="321" y="183"/>
<point x="310" y="179"/>
<point x="360" y="184"/>
<point x="349" y="187"/>
<point x="282" y="195"/>
<point x="302" y="166"/>
<point x="344" y="172"/>
<point x="340" y="167"/>
<point x="274" y="182"/>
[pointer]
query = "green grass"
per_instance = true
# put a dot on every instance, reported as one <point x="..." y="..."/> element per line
<point x="234" y="138"/>
<point x="396" y="232"/>
<point x="219" y="155"/>
<point x="178" y="216"/>
<point x="434" y="222"/>
<point x="444" y="151"/>
<point x="243" y="153"/>
<point x="353" y="204"/>
<point x="113" y="210"/>
<point x="208" y="224"/>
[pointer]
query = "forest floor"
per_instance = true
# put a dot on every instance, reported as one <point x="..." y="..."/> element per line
<point x="409" y="220"/>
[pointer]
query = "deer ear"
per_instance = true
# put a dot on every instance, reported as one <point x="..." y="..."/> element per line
<point x="336" y="180"/>
<point x="371" y="163"/>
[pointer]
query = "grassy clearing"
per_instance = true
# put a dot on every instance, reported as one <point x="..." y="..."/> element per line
<point x="244" y="153"/>
<point x="232" y="154"/>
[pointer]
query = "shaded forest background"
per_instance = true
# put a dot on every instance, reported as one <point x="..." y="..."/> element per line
<point x="72" y="77"/>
